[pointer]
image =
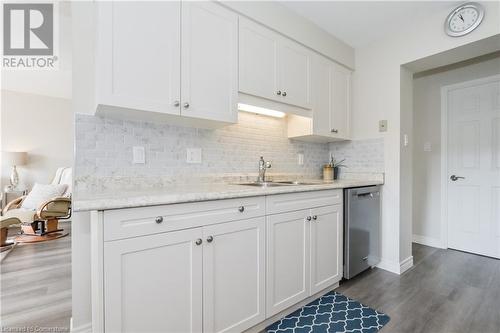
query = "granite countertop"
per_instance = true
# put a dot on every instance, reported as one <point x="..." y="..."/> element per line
<point x="192" y="193"/>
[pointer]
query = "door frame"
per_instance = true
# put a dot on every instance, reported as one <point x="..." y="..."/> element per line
<point x="444" y="148"/>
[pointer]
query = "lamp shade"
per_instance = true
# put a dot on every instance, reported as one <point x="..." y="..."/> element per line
<point x="15" y="157"/>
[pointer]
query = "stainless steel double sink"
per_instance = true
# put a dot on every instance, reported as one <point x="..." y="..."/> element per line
<point x="275" y="184"/>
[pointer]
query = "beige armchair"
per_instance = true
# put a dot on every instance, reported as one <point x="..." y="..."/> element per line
<point x="44" y="219"/>
<point x="5" y="223"/>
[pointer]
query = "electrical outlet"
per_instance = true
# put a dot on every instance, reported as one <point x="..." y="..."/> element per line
<point x="427" y="146"/>
<point x="382" y="126"/>
<point x="193" y="155"/>
<point x="138" y="155"/>
<point x="300" y="159"/>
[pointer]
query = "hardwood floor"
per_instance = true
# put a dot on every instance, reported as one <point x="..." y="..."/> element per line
<point x="446" y="291"/>
<point x="35" y="285"/>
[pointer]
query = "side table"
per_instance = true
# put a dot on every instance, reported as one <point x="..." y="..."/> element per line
<point x="8" y="195"/>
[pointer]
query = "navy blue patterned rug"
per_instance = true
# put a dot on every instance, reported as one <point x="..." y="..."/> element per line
<point x="332" y="312"/>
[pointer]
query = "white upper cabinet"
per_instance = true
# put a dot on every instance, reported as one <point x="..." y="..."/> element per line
<point x="272" y="66"/>
<point x="340" y="119"/>
<point x="257" y="60"/>
<point x="138" y="55"/>
<point x="150" y="52"/>
<point x="331" y="115"/>
<point x="294" y="67"/>
<point x="209" y="61"/>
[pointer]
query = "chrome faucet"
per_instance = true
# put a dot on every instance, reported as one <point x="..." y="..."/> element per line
<point x="263" y="166"/>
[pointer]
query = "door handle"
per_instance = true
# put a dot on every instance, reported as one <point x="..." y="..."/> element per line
<point x="455" y="178"/>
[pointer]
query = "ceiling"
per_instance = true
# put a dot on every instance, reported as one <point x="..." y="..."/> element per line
<point x="361" y="23"/>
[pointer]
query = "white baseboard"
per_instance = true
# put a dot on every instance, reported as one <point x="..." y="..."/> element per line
<point x="86" y="328"/>
<point x="395" y="267"/>
<point x="389" y="265"/>
<point x="428" y="241"/>
<point x="405" y="264"/>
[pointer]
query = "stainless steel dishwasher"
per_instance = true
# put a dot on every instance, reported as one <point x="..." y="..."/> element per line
<point x="361" y="229"/>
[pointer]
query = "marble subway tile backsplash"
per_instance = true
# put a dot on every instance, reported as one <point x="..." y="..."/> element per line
<point x="229" y="154"/>
<point x="361" y="156"/>
<point x="104" y="152"/>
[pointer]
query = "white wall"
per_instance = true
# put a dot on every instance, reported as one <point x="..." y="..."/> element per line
<point x="427" y="128"/>
<point x="41" y="126"/>
<point x="377" y="95"/>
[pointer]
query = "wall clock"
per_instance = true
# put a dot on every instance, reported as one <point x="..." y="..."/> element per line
<point x="464" y="19"/>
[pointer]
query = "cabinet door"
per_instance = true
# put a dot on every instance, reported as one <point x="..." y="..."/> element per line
<point x="154" y="283"/>
<point x="321" y="93"/>
<point x="294" y="67"/>
<point x="287" y="260"/>
<point x="138" y="55"/>
<point x="326" y="247"/>
<point x="234" y="275"/>
<point x="257" y="60"/>
<point x="341" y="101"/>
<point x="209" y="61"/>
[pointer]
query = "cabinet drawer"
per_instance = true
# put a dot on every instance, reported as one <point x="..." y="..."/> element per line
<point x="282" y="203"/>
<point x="133" y="222"/>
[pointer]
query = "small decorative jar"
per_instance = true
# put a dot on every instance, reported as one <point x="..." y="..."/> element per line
<point x="328" y="173"/>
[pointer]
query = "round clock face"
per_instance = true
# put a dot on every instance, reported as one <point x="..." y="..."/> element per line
<point x="464" y="19"/>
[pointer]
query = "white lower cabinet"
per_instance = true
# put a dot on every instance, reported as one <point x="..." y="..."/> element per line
<point x="304" y="255"/>
<point x="234" y="275"/>
<point x="209" y="278"/>
<point x="154" y="283"/>
<point x="230" y="266"/>
<point x="326" y="246"/>
<point x="287" y="260"/>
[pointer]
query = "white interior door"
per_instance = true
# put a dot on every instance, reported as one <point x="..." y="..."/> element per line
<point x="473" y="111"/>
<point x="234" y="275"/>
<point x="209" y="61"/>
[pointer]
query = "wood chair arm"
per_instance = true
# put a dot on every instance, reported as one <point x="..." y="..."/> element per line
<point x="59" y="200"/>
<point x="16" y="203"/>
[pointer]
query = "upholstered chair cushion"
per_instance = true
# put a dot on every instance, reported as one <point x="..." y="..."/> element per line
<point x="25" y="215"/>
<point x="42" y="193"/>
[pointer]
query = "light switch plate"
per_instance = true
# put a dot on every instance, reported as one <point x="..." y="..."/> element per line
<point x="300" y="159"/>
<point x="138" y="155"/>
<point x="406" y="140"/>
<point x="382" y="125"/>
<point x="193" y="155"/>
<point x="427" y="146"/>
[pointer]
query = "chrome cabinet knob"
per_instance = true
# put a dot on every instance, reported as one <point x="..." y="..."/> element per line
<point x="278" y="92"/>
<point x="284" y="94"/>
<point x="210" y="239"/>
<point x="455" y="178"/>
<point x="308" y="218"/>
<point x="333" y="130"/>
<point x="177" y="103"/>
<point x="241" y="209"/>
<point x="315" y="217"/>
<point x="159" y="219"/>
<point x="198" y="241"/>
<point x="186" y="105"/>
